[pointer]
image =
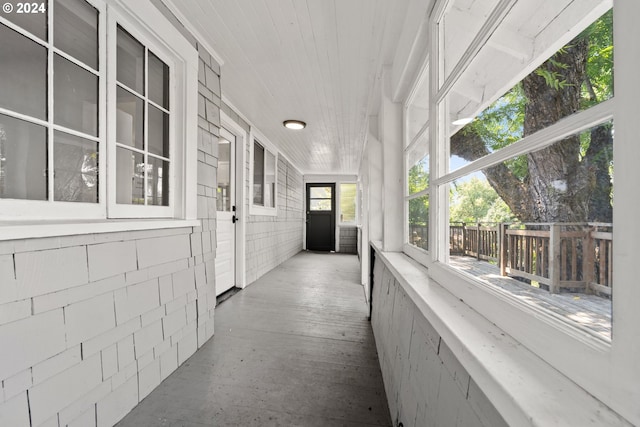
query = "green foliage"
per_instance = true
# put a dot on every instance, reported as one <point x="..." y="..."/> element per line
<point x="419" y="181"/>
<point x="348" y="202"/>
<point x="476" y="201"/>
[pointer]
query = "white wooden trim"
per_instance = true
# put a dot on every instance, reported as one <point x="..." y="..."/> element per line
<point x="257" y="136"/>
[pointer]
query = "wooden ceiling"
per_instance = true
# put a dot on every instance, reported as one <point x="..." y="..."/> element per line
<point x="319" y="61"/>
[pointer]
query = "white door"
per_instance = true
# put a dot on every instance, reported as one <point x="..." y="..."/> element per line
<point x="225" y="222"/>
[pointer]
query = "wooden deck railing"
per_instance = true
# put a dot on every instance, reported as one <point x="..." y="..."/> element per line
<point x="568" y="255"/>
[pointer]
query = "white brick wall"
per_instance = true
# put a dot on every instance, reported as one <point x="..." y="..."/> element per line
<point x="425" y="383"/>
<point x="90" y="324"/>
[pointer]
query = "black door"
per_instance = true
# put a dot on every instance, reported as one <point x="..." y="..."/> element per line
<point x="321" y="218"/>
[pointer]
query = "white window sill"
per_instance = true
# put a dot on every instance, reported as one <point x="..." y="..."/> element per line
<point x="14" y="230"/>
<point x="262" y="211"/>
<point x="524" y="388"/>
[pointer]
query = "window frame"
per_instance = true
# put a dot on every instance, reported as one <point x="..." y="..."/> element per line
<point x="144" y="21"/>
<point x="256" y="209"/>
<point x="339" y="221"/>
<point x="548" y="336"/>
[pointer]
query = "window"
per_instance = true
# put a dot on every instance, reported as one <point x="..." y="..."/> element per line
<point x="348" y="192"/>
<point x="264" y="179"/>
<point x="50" y="114"/>
<point x="517" y="158"/>
<point x="55" y="118"/>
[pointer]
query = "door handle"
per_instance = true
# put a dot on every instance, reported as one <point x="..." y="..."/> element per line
<point x="234" y="219"/>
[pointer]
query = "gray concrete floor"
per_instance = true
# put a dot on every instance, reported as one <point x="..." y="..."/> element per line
<point x="294" y="348"/>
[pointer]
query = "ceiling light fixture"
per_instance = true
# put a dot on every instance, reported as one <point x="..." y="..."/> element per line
<point x="294" y="124"/>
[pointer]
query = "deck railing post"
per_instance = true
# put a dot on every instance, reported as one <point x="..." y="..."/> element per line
<point x="554" y="259"/>
<point x="478" y="242"/>
<point x="464" y="239"/>
<point x="588" y="258"/>
<point x="502" y="248"/>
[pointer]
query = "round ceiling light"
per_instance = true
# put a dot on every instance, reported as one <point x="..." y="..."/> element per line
<point x="294" y="124"/>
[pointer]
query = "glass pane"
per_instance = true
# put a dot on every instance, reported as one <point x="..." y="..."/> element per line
<point x="130" y="119"/>
<point x="158" y="132"/>
<point x="75" y="30"/>
<point x="158" y="81"/>
<point x="320" y="204"/>
<point x="130" y="62"/>
<point x="348" y="202"/>
<point x="129" y="177"/>
<point x="320" y="192"/>
<point x="558" y="204"/>
<point x="223" y="201"/>
<point x="157" y="182"/>
<point x="419" y="222"/>
<point x="75" y="97"/>
<point x="258" y="174"/>
<point x="418" y="109"/>
<point x="575" y="78"/>
<point x="418" y="179"/>
<point x="75" y="163"/>
<point x="23" y="160"/>
<point x="270" y="181"/>
<point x="23" y="67"/>
<point x="33" y="17"/>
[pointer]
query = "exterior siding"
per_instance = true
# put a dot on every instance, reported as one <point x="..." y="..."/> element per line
<point x="425" y="383"/>
<point x="90" y="324"/>
<point x="271" y="240"/>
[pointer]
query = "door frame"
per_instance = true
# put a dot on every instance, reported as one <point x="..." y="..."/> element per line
<point x="241" y="211"/>
<point x="307" y="193"/>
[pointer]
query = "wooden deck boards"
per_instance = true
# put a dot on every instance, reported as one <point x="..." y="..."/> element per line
<point x="589" y="311"/>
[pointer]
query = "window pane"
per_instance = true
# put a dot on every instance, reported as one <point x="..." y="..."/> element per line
<point x="558" y="202"/>
<point x="23" y="67"/>
<point x="348" y="202"/>
<point x="320" y="192"/>
<point x="223" y="201"/>
<point x="157" y="182"/>
<point x="258" y="174"/>
<point x="35" y="23"/>
<point x="75" y="97"/>
<point x="158" y="81"/>
<point x="418" y="179"/>
<point x="573" y="79"/>
<point x="158" y="132"/>
<point x="270" y="181"/>
<point x="23" y="160"/>
<point x="320" y="204"/>
<point x="130" y="62"/>
<point x="75" y="30"/>
<point x="75" y="162"/>
<point x="130" y="119"/>
<point x="419" y="222"/>
<point x="129" y="177"/>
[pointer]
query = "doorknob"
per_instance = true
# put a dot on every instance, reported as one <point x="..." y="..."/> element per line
<point x="234" y="218"/>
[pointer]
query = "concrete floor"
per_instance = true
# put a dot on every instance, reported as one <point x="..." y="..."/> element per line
<point x="295" y="348"/>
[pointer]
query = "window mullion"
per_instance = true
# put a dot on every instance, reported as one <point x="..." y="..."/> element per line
<point x="50" y="105"/>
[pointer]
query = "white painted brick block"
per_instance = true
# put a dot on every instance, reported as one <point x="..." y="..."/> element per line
<point x="31" y="341"/>
<point x="117" y="404"/>
<point x="124" y="375"/>
<point x="161" y="348"/>
<point x="152" y="316"/>
<point x="147" y="338"/>
<point x="168" y="268"/>
<point x="15" y="412"/>
<point x="8" y="282"/>
<point x="17" y="384"/>
<point x="126" y="352"/>
<point x="112" y="336"/>
<point x="46" y="399"/>
<point x="166" y="289"/>
<point x="168" y="362"/>
<point x="143" y="297"/>
<point x="110" y="259"/>
<point x="42" y="272"/>
<point x="201" y="277"/>
<point x="87" y="419"/>
<point x="84" y="403"/>
<point x="136" y="276"/>
<point x="10" y="312"/>
<point x="196" y="244"/>
<point x="109" y="361"/>
<point x="90" y="318"/>
<point x="163" y="250"/>
<point x="187" y="346"/>
<point x="192" y="312"/>
<point x="176" y="304"/>
<point x="183" y="282"/>
<point x="79" y="293"/>
<point x="56" y="364"/>
<point x="173" y="322"/>
<point x="145" y="360"/>
<point x="148" y="379"/>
